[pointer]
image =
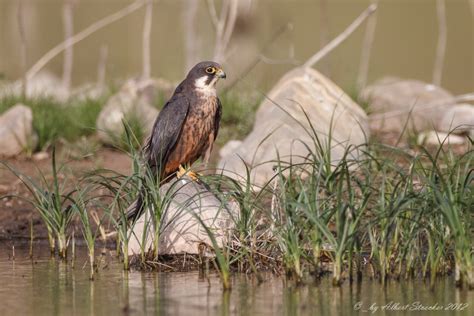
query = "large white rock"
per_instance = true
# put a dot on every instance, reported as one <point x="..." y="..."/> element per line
<point x="398" y="105"/>
<point x="43" y="85"/>
<point x="16" y="131"/>
<point x="434" y="138"/>
<point x="133" y="102"/>
<point x="459" y="119"/>
<point x="282" y="129"/>
<point x="181" y="231"/>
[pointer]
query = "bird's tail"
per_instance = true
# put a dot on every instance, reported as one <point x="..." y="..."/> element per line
<point x="135" y="210"/>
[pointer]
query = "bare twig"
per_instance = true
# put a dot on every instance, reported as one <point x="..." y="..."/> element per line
<point x="366" y="50"/>
<point x="230" y="23"/>
<point x="23" y="48"/>
<point x="224" y="28"/>
<point x="271" y="61"/>
<point x="102" y="66"/>
<point x="341" y="37"/>
<point x="68" y="23"/>
<point x="275" y="36"/>
<point x="82" y="35"/>
<point x="324" y="23"/>
<point x="324" y="31"/>
<point x="220" y="30"/>
<point x="190" y="34"/>
<point x="442" y="40"/>
<point x="98" y="222"/>
<point x="146" y="72"/>
<point x="211" y="6"/>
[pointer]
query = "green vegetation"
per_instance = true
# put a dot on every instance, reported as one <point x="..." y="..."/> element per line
<point x="405" y="213"/>
<point x="406" y="217"/>
<point x="238" y="115"/>
<point x="88" y="233"/>
<point x="54" y="202"/>
<point x="54" y="120"/>
<point x="74" y="119"/>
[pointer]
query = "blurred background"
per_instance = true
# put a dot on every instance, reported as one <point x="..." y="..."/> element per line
<point x="269" y="38"/>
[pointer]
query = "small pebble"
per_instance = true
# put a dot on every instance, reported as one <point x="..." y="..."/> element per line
<point x="42" y="155"/>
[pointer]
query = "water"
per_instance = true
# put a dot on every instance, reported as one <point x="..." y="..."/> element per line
<point x="405" y="40"/>
<point x="51" y="287"/>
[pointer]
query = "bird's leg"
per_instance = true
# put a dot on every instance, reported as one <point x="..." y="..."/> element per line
<point x="182" y="172"/>
<point x="207" y="154"/>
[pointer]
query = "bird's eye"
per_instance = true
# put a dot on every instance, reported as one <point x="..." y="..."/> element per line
<point x="210" y="70"/>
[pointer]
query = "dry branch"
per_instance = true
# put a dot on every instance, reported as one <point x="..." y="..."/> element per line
<point x="366" y="50"/>
<point x="146" y="71"/>
<point x="102" y="66"/>
<point x="224" y="26"/>
<point x="442" y="40"/>
<point x="341" y="37"/>
<point x="190" y="34"/>
<point x="68" y="23"/>
<point x="23" y="48"/>
<point x="94" y="27"/>
<point x="324" y="32"/>
<point x="213" y="13"/>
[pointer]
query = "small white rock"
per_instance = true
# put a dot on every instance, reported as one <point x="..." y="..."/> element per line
<point x="16" y="131"/>
<point x="41" y="155"/>
<point x="459" y="119"/>
<point x="134" y="100"/>
<point x="437" y="138"/>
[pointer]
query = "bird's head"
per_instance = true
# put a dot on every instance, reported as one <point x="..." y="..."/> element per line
<point x="205" y="75"/>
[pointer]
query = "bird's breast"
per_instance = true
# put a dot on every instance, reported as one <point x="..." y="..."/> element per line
<point x="197" y="133"/>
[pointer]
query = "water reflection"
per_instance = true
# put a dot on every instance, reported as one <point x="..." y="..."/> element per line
<point x="47" y="286"/>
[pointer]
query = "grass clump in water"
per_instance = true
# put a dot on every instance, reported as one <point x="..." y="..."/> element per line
<point x="54" y="202"/>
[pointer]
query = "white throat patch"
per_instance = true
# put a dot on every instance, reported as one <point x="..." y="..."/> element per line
<point x="203" y="87"/>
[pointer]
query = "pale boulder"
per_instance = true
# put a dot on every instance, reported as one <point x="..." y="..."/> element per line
<point x="181" y="230"/>
<point x="133" y="102"/>
<point x="43" y="85"/>
<point x="459" y="119"/>
<point x="303" y="99"/>
<point x="398" y="105"/>
<point x="434" y="138"/>
<point x="16" y="131"/>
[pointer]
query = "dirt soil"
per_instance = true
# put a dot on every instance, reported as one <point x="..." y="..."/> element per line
<point x="17" y="214"/>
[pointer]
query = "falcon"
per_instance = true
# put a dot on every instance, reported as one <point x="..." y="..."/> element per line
<point x="186" y="127"/>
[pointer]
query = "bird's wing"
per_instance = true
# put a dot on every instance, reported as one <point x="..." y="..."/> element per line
<point x="217" y="118"/>
<point x="166" y="131"/>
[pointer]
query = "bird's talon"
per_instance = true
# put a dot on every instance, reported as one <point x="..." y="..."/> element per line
<point x="182" y="172"/>
<point x="193" y="175"/>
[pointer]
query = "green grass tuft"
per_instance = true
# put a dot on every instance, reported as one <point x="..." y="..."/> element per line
<point x="238" y="115"/>
<point x="53" y="120"/>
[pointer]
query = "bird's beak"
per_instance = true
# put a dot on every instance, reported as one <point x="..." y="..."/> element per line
<point x="221" y="74"/>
